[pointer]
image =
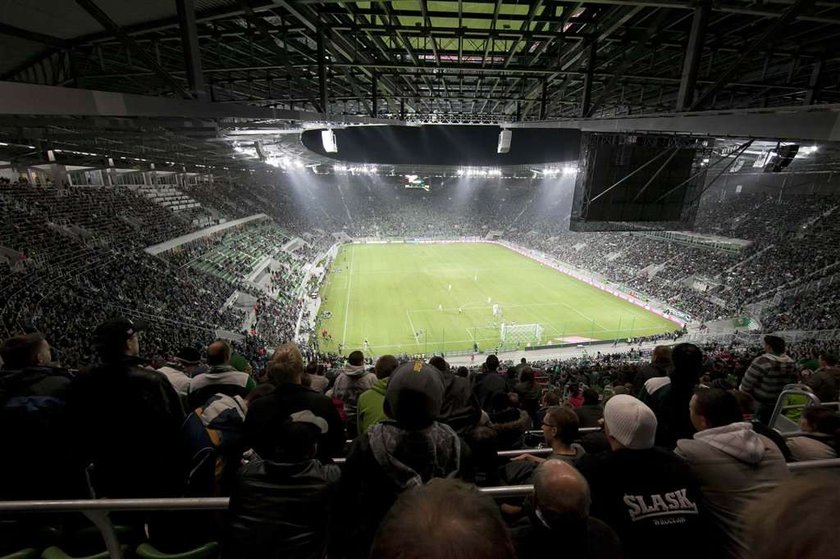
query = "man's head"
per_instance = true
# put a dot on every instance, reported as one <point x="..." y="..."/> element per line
<point x="385" y="365"/>
<point x="414" y="395"/>
<point x="820" y="419"/>
<point x="629" y="423"/>
<point x="562" y="424"/>
<point x="117" y="338"/>
<point x="29" y="350"/>
<point x="796" y="519"/>
<point x="445" y="519"/>
<point x="462" y="372"/>
<point x="828" y="359"/>
<point x="714" y="407"/>
<point x="439" y="363"/>
<point x="551" y="398"/>
<point x="492" y="363"/>
<point x="189" y="358"/>
<point x="218" y="353"/>
<point x="561" y="494"/>
<point x="522" y="361"/>
<point x="590" y="397"/>
<point x="356" y="358"/>
<point x="688" y="364"/>
<point x="296" y="439"/>
<point x="661" y="356"/>
<point x="746" y="403"/>
<point x="286" y="365"/>
<point x="774" y="345"/>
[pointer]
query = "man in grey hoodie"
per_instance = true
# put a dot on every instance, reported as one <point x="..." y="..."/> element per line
<point x="767" y="376"/>
<point x="734" y="465"/>
<point x="349" y="385"/>
<point x="395" y="455"/>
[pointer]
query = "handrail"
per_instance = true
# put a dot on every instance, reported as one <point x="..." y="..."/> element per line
<point x="111" y="505"/>
<point x="97" y="510"/>
<point x="814" y="464"/>
<point x="221" y="503"/>
<point x="534" y="451"/>
<point x="192" y="503"/>
<point x="781" y="403"/>
<point x="581" y="430"/>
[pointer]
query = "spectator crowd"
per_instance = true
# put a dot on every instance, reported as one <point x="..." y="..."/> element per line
<point x="689" y="456"/>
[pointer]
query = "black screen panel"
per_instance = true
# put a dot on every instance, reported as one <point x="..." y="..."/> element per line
<point x="638" y="182"/>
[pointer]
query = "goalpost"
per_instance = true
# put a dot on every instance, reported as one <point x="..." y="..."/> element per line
<point x="521" y="334"/>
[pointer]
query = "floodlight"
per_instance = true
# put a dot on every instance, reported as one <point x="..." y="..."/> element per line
<point x="328" y="139"/>
<point x="504" y="140"/>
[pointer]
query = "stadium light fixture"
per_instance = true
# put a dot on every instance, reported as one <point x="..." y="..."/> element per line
<point x="478" y="172"/>
<point x="329" y="141"/>
<point x="504" y="140"/>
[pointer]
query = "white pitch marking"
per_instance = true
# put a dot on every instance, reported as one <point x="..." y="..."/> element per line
<point x="347" y="301"/>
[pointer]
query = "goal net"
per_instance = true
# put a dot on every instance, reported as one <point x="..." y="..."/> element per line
<point x="521" y="334"/>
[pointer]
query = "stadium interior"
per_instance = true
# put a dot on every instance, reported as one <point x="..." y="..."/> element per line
<point x="265" y="263"/>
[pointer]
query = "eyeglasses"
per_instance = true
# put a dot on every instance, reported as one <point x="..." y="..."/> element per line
<point x="547" y="424"/>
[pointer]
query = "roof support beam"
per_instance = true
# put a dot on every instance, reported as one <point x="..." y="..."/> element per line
<point x="489" y="39"/>
<point x="322" y="69"/>
<point x="105" y="21"/>
<point x="818" y="123"/>
<point x="611" y="23"/>
<point x="786" y="18"/>
<point x="373" y="95"/>
<point x="189" y="43"/>
<point x="29" y="99"/>
<point x="543" y="101"/>
<point x="693" y="52"/>
<point x="814" y="83"/>
<point x="12" y="31"/>
<point x="428" y="22"/>
<point x="588" y="78"/>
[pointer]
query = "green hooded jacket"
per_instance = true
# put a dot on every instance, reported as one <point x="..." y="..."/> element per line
<point x="370" y="408"/>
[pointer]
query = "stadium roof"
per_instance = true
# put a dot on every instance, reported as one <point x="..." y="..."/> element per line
<point x="278" y="65"/>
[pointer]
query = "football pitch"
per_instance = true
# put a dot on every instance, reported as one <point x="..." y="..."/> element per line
<point x="439" y="298"/>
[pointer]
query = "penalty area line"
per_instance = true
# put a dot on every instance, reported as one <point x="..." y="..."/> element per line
<point x="347" y="302"/>
<point x="413" y="331"/>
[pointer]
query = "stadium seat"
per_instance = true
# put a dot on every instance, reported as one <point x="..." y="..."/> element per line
<point x="54" y="552"/>
<point x="28" y="553"/>
<point x="209" y="550"/>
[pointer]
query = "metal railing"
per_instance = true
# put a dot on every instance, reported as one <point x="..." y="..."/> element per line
<point x="97" y="510"/>
<point x="778" y="420"/>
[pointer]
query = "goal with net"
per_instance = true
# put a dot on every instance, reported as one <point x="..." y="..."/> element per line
<point x="521" y="335"/>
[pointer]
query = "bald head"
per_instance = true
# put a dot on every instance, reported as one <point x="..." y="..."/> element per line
<point x="445" y="519"/>
<point x="218" y="353"/>
<point x="561" y="491"/>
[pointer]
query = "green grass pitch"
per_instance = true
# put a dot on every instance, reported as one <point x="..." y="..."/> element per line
<point x="392" y="295"/>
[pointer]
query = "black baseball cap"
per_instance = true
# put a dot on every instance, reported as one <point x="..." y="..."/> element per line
<point x="117" y="331"/>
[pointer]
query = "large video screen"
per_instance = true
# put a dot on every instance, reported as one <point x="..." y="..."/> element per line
<point x="638" y="182"/>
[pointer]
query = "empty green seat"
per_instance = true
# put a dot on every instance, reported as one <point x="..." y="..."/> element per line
<point x="207" y="551"/>
<point x="54" y="552"/>
<point x="28" y="553"/>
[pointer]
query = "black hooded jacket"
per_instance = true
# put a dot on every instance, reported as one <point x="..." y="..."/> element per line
<point x="281" y="510"/>
<point x="126" y="419"/>
<point x="35" y="436"/>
